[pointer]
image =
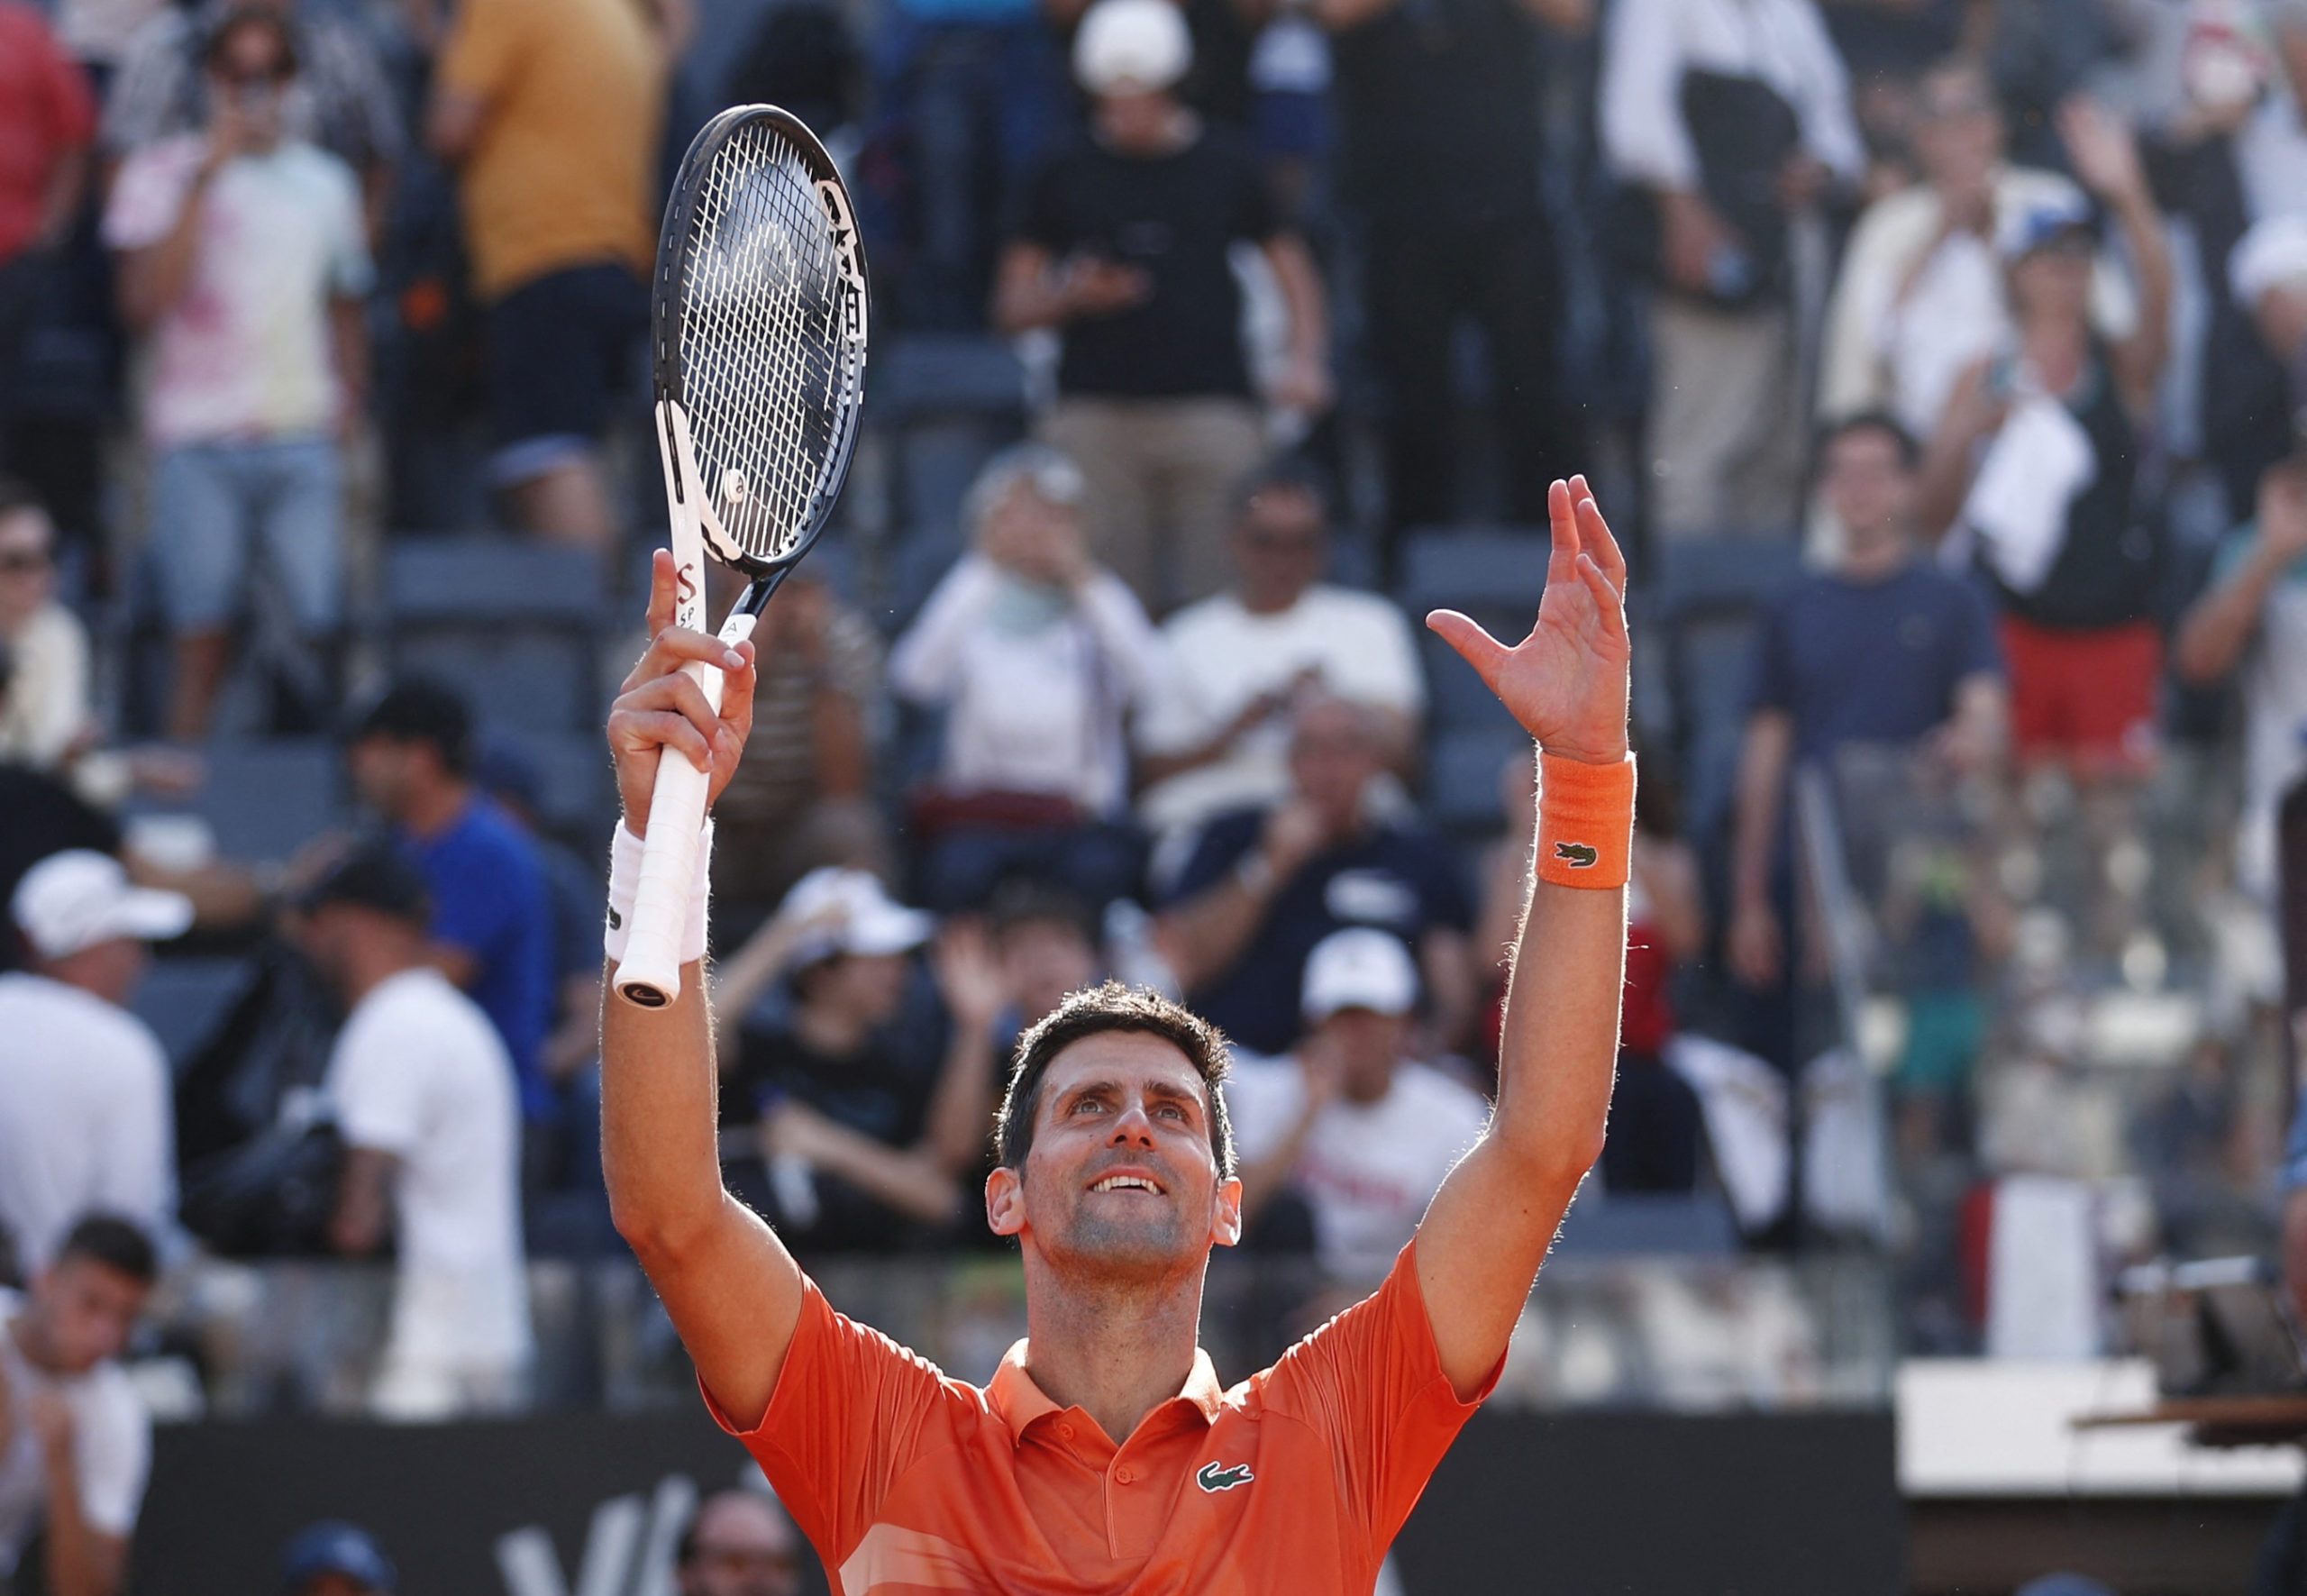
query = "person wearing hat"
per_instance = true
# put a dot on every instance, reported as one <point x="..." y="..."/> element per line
<point x="1124" y="250"/>
<point x="334" y="1558"/>
<point x="858" y="1123"/>
<point x="86" y="1121"/>
<point x="424" y="1099"/>
<point x="75" y="1442"/>
<point x="2035" y="459"/>
<point x="1350" y="1121"/>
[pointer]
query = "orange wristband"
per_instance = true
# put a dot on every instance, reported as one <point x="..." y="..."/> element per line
<point x="1585" y="822"/>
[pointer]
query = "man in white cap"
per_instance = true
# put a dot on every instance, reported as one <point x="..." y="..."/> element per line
<point x="85" y="1123"/>
<point x="1126" y="250"/>
<point x="1363" y="1133"/>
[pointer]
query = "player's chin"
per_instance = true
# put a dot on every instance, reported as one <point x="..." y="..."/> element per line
<point x="1153" y="1239"/>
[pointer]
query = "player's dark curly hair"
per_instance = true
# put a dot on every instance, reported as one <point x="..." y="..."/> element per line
<point x="1091" y="1012"/>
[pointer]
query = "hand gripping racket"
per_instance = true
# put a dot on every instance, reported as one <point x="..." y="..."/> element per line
<point x="757" y="338"/>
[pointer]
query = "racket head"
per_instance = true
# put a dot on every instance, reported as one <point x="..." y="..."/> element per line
<point x="758" y="336"/>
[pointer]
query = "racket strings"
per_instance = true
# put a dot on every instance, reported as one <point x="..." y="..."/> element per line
<point x="770" y="376"/>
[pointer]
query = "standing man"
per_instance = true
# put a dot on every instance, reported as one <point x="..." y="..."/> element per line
<point x="76" y="1444"/>
<point x="47" y="121"/>
<point x="1104" y="1454"/>
<point x="243" y="264"/>
<point x="551" y="110"/>
<point x="85" y="1118"/>
<point x="1440" y="104"/>
<point x="424" y="1096"/>
<point x="492" y="913"/>
<point x="1126" y="250"/>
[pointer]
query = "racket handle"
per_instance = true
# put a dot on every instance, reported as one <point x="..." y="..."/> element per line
<point x="651" y="972"/>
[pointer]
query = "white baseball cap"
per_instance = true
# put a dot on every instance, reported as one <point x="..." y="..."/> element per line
<point x="856" y="915"/>
<point x="79" y="898"/>
<point x="1359" y="968"/>
<point x="1127" y="46"/>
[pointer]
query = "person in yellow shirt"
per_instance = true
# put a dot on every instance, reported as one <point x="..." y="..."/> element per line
<point x="551" y="109"/>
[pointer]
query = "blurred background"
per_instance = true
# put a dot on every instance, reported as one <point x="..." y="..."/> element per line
<point x="1939" y="363"/>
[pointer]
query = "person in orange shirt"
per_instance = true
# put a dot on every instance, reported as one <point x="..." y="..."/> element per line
<point x="1104" y="1456"/>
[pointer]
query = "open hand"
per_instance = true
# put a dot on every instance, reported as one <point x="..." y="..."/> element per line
<point x="662" y="706"/>
<point x="1566" y="682"/>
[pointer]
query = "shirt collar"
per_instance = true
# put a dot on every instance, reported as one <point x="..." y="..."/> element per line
<point x="1019" y="1401"/>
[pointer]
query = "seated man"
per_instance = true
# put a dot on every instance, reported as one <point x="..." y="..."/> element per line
<point x="75" y="1474"/>
<point x="425" y="1097"/>
<point x="740" y="1544"/>
<point x="1361" y="1131"/>
<point x="1263" y="886"/>
<point x="1216" y="733"/>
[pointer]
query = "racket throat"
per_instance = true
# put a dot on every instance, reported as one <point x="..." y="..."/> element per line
<point x="757" y="592"/>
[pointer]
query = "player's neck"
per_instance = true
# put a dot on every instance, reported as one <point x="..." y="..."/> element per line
<point x="1114" y="1351"/>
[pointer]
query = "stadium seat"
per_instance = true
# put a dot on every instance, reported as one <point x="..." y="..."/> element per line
<point x="1462" y="771"/>
<point x="1479" y="570"/>
<point x="1706" y="599"/>
<point x="913" y="568"/>
<point x="576" y="799"/>
<point x="1456" y="699"/>
<point x="264" y="800"/>
<point x="1695" y="576"/>
<point x="1699" y="1225"/>
<point x="925" y="374"/>
<point x="433" y="581"/>
<point x="510" y="622"/>
<point x="183" y="999"/>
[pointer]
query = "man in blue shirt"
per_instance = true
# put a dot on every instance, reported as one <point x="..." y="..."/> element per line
<point x="492" y="919"/>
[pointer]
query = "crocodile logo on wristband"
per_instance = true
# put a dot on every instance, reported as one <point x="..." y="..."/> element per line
<point x="1576" y="856"/>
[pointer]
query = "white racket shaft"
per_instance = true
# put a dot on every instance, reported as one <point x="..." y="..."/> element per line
<point x="651" y="972"/>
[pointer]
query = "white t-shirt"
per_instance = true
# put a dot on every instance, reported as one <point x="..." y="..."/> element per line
<point x="86" y="1120"/>
<point x="112" y="1438"/>
<point x="418" y="1073"/>
<point x="1221" y="656"/>
<point x="1367" y="1170"/>
<point x="44" y="706"/>
<point x="245" y="355"/>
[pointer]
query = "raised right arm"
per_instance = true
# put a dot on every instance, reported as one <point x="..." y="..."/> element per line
<point x="734" y="1292"/>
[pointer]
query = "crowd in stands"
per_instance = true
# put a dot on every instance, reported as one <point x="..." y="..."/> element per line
<point x="1942" y="364"/>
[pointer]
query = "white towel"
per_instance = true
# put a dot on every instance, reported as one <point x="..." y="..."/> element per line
<point x="2040" y="459"/>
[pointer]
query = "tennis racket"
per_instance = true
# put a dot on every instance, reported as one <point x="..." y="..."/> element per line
<point x="758" y="339"/>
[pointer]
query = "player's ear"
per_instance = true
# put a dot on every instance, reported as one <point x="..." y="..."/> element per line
<point x="1225" y="1222"/>
<point x="1005" y="1202"/>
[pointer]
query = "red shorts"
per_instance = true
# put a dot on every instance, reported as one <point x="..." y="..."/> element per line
<point x="2086" y="695"/>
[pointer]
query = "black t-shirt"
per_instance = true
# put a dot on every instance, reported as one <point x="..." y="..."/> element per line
<point x="1394" y="879"/>
<point x="2111" y="558"/>
<point x="1173" y="217"/>
<point x="1440" y="103"/>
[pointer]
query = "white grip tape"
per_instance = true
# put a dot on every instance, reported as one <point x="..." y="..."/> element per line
<point x="626" y="853"/>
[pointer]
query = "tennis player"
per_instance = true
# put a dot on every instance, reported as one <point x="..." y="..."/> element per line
<point x="1104" y="1456"/>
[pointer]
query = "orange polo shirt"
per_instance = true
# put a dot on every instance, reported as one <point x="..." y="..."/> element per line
<point x="910" y="1483"/>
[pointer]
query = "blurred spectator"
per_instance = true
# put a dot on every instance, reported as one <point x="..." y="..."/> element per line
<point x="492" y="918"/>
<point x="1921" y="294"/>
<point x="1351" y="1123"/>
<point x="803" y="57"/>
<point x="551" y="112"/>
<point x="1125" y="248"/>
<point x="1265" y="886"/>
<point x="740" y="1544"/>
<point x="1036" y="655"/>
<point x="333" y="1558"/>
<point x="804" y="795"/>
<point x="2257" y="606"/>
<point x="1655" y="1125"/>
<point x="44" y="706"/>
<point x="85" y="1114"/>
<point x="2037" y="458"/>
<point x="575" y="891"/>
<point x="46" y="121"/>
<point x="861" y="1132"/>
<point x="1215" y="734"/>
<point x="2268" y="272"/>
<point x="1884" y="648"/>
<point x="1045" y="948"/>
<point x="1440" y="103"/>
<point x="76" y="1444"/>
<point x="98" y="32"/>
<point x="1736" y="118"/>
<point x="340" y="100"/>
<point x="424" y="1099"/>
<point x="243" y="263"/>
<point x="38" y="817"/>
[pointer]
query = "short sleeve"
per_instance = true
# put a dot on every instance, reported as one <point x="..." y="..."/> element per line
<point x="1773" y="686"/>
<point x="483" y="48"/>
<point x="851" y="1411"/>
<point x="1371" y="1382"/>
<point x="476" y="903"/>
<point x="148" y="193"/>
<point x="376" y="1090"/>
<point x="114" y="1455"/>
<point x="1980" y="654"/>
<point x="1220" y="847"/>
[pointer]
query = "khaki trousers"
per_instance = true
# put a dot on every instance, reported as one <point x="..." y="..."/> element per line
<point x="1726" y="442"/>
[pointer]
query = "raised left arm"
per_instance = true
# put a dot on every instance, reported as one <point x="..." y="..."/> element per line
<point x="1491" y="1224"/>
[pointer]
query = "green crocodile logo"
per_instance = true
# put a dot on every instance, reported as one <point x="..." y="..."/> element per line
<point x="1216" y="1477"/>
<point x="1577" y="855"/>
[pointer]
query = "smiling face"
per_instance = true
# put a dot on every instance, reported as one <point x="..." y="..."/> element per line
<point x="1122" y="1177"/>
